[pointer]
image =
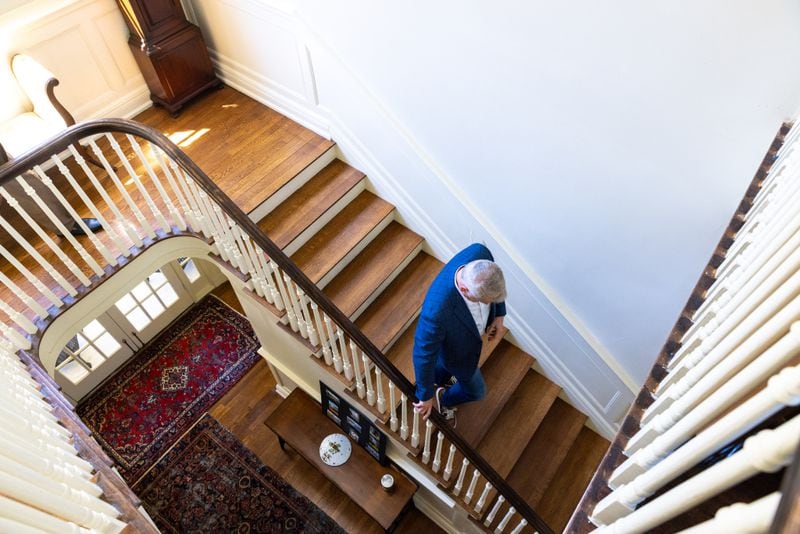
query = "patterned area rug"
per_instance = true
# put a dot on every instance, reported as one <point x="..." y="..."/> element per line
<point x="168" y="385"/>
<point x="209" y="482"/>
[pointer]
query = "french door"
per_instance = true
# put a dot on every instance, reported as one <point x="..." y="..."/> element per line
<point x="108" y="340"/>
<point x="152" y="304"/>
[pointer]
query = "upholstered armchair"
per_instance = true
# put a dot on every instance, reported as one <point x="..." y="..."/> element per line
<point x="41" y="117"/>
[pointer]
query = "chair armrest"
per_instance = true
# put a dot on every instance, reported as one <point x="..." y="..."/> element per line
<point x="38" y="83"/>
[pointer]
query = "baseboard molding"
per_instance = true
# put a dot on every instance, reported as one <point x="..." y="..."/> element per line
<point x="127" y="105"/>
<point x="270" y="93"/>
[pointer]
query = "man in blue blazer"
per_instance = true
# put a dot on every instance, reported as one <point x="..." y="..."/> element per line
<point x="465" y="300"/>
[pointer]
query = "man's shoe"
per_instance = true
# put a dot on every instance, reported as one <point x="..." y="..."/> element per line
<point x="93" y="225"/>
<point x="448" y="413"/>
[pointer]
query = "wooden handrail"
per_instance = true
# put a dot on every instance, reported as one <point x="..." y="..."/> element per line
<point x="75" y="133"/>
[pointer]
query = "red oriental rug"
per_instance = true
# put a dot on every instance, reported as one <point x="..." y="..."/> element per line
<point x="209" y="482"/>
<point x="142" y="410"/>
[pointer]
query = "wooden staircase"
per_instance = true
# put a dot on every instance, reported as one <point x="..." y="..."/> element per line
<point x="349" y="242"/>
<point x="352" y="244"/>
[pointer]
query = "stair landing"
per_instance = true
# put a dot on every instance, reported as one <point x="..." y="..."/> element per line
<point x="249" y="150"/>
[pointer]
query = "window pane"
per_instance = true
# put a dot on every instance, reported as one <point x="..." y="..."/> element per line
<point x="167" y="295"/>
<point x="157" y="279"/>
<point x="191" y="271"/>
<point x="92" y="357"/>
<point x="81" y="343"/>
<point x="138" y="318"/>
<point x="93" y="330"/>
<point x="126" y="303"/>
<point x="153" y="306"/>
<point x="107" y="345"/>
<point x="141" y="291"/>
<point x="73" y="371"/>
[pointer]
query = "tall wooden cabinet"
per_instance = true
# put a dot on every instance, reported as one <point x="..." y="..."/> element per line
<point x="169" y="50"/>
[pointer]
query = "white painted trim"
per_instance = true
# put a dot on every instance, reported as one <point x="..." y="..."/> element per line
<point x="282" y="99"/>
<point x="128" y="105"/>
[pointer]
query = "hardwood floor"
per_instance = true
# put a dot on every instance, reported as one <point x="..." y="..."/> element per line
<point x="243" y="411"/>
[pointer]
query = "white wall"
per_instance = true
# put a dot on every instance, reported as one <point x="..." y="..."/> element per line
<point x="84" y="44"/>
<point x="608" y="143"/>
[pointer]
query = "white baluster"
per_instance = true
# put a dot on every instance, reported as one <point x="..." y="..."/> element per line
<point x="448" y="468"/>
<point x="437" y="456"/>
<point x="367" y="378"/>
<point x="66" y="286"/>
<point x="186" y="183"/>
<point x="269" y="291"/>
<point x="18" y="318"/>
<point x="45" y="179"/>
<point x="393" y="424"/>
<point x="756" y="516"/>
<point x="188" y="215"/>
<point x="307" y="317"/>
<point x="502" y="525"/>
<point x="35" y="521"/>
<point x="482" y="499"/>
<point x="65" y="233"/>
<point x="143" y="222"/>
<point x="782" y="390"/>
<point x="284" y="296"/>
<point x="519" y="527"/>
<point x="496" y="508"/>
<point x="240" y="259"/>
<point x="381" y="400"/>
<point x="461" y="475"/>
<point x="23" y="295"/>
<point x="43" y="466"/>
<point x="471" y="488"/>
<point x="44" y="236"/>
<point x="15" y="337"/>
<point x="176" y="216"/>
<point x="301" y="325"/>
<point x="323" y="336"/>
<point x="337" y="359"/>
<point x="426" y="451"/>
<point x="403" y="417"/>
<point x="241" y="240"/>
<point x="121" y="246"/>
<point x="139" y="185"/>
<point x="765" y="452"/>
<point x="415" y="429"/>
<point x="348" y="361"/>
<point x="256" y="269"/>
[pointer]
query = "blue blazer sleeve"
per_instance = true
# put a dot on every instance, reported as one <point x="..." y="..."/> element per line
<point x="428" y="340"/>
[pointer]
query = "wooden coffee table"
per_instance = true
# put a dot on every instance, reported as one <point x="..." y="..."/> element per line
<point x="299" y="422"/>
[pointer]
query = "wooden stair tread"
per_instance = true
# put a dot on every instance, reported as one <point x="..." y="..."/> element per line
<point x="517" y="423"/>
<point x="502" y="373"/>
<point x="574" y="474"/>
<point x="328" y="246"/>
<point x="308" y="203"/>
<point x="539" y="462"/>
<point x="401" y="353"/>
<point x="394" y="309"/>
<point x="364" y="275"/>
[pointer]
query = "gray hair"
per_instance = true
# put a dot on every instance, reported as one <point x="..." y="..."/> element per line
<point x="485" y="280"/>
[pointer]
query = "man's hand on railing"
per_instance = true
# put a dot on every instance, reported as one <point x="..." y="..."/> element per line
<point x="424" y="408"/>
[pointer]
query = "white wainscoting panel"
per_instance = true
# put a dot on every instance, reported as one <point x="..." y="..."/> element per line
<point x="84" y="44"/>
